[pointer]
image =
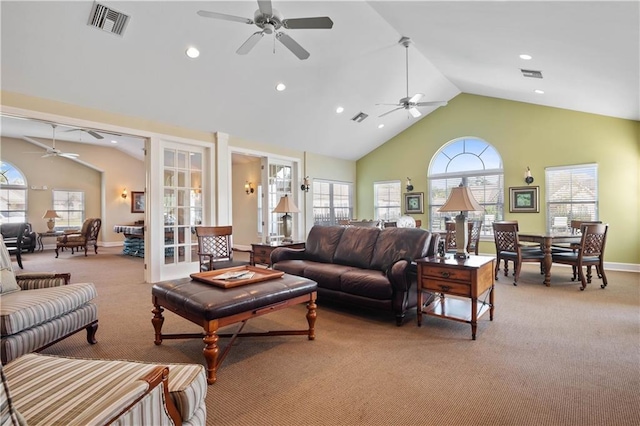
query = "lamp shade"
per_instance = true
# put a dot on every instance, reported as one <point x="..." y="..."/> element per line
<point x="460" y="200"/>
<point x="286" y="206"/>
<point x="50" y="214"/>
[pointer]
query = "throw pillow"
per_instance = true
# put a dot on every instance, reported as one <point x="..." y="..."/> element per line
<point x="7" y="277"/>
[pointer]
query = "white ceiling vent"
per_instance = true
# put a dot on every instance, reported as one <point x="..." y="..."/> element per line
<point x="107" y="19"/>
<point x="531" y="73"/>
<point x="359" y="118"/>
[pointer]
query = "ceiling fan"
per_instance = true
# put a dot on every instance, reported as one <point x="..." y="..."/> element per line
<point x="412" y="103"/>
<point x="53" y="151"/>
<point x="88" y="131"/>
<point x="269" y="21"/>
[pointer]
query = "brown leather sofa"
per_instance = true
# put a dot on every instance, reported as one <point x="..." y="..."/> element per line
<point x="368" y="267"/>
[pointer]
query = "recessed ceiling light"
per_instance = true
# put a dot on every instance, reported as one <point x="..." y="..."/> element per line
<point x="339" y="110"/>
<point x="114" y="141"/>
<point x="192" y="52"/>
<point x="380" y="126"/>
<point x="538" y="91"/>
<point x="280" y="87"/>
<point x="525" y="56"/>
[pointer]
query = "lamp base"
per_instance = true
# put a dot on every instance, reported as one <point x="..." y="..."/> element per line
<point x="461" y="255"/>
<point x="51" y="224"/>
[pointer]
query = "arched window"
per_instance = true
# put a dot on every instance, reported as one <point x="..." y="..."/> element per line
<point x="476" y="164"/>
<point x="13" y="194"/>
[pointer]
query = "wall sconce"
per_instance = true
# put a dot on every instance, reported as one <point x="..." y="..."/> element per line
<point x="527" y="176"/>
<point x="124" y="193"/>
<point x="305" y="184"/>
<point x="409" y="185"/>
<point x="248" y="188"/>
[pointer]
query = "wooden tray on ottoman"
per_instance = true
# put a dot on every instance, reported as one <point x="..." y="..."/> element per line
<point x="213" y="277"/>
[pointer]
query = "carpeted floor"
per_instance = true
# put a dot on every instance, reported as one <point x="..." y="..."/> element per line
<point x="552" y="356"/>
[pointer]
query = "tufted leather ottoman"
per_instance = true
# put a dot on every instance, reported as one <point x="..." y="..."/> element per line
<point x="214" y="307"/>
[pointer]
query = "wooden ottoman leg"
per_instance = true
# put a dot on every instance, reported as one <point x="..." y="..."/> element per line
<point x="311" y="317"/>
<point x="157" y="322"/>
<point x="211" y="351"/>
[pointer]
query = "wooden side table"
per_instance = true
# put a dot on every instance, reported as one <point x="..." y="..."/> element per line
<point x="464" y="281"/>
<point x="261" y="252"/>
<point x="47" y="234"/>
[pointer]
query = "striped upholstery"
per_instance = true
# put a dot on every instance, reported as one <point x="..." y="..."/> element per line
<point x="25" y="309"/>
<point x="52" y="390"/>
<point x="9" y="416"/>
<point x="36" y="280"/>
<point x="44" y="334"/>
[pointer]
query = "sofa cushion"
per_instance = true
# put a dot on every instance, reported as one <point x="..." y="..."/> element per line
<point x="322" y="242"/>
<point x="50" y="389"/>
<point x="293" y="267"/>
<point x="8" y="413"/>
<point x="356" y="246"/>
<point x="366" y="282"/>
<point x="326" y="275"/>
<point x="399" y="243"/>
<point x="21" y="310"/>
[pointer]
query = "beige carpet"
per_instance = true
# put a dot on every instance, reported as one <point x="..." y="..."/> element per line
<point x="552" y="356"/>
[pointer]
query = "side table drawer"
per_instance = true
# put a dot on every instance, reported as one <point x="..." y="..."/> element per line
<point x="449" y="287"/>
<point x="445" y="273"/>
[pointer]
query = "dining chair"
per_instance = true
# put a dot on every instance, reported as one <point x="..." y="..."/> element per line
<point x="215" y="248"/>
<point x="590" y="253"/>
<point x="508" y="248"/>
<point x="473" y="236"/>
<point x="575" y="229"/>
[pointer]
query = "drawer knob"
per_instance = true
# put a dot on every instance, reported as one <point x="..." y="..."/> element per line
<point x="445" y="274"/>
<point x="445" y="287"/>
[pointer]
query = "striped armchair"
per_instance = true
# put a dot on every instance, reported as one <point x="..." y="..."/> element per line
<point x="51" y="390"/>
<point x="40" y="309"/>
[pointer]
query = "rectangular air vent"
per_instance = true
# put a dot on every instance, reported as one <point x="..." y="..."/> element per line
<point x="107" y="19"/>
<point x="359" y="118"/>
<point x="531" y="73"/>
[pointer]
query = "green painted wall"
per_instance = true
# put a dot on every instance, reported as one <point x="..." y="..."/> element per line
<point x="525" y="135"/>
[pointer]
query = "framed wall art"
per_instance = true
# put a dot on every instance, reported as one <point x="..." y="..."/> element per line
<point x="414" y="203"/>
<point x="137" y="202"/>
<point x="524" y="199"/>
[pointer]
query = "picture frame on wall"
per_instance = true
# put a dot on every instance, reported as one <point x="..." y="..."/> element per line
<point x="414" y="203"/>
<point x="137" y="202"/>
<point x="524" y="199"/>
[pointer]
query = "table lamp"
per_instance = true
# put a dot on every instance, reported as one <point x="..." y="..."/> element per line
<point x="461" y="199"/>
<point x="51" y="215"/>
<point x="286" y="206"/>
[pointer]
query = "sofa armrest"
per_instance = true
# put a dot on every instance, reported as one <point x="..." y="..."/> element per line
<point x="35" y="280"/>
<point x="433" y="244"/>
<point x="398" y="275"/>
<point x="284" y="253"/>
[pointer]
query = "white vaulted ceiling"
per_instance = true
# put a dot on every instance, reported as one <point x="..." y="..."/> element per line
<point x="588" y="53"/>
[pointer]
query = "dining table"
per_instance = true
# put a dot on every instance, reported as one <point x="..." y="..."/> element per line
<point x="546" y="240"/>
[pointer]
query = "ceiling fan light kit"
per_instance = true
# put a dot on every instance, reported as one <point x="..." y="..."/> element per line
<point x="410" y="103"/>
<point x="270" y="20"/>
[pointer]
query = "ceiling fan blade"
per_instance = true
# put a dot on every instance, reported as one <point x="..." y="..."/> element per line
<point x="224" y="17"/>
<point x="320" y="22"/>
<point x="250" y="43"/>
<point x="391" y="104"/>
<point x="416" y="98"/>
<point x="292" y="45"/>
<point x="95" y="134"/>
<point x="389" y="112"/>
<point x="432" y="103"/>
<point x="70" y="155"/>
<point x="265" y="7"/>
<point x="414" y="112"/>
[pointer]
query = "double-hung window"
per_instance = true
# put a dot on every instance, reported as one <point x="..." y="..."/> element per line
<point x="332" y="202"/>
<point x="69" y="205"/>
<point x="386" y="199"/>
<point x="571" y="193"/>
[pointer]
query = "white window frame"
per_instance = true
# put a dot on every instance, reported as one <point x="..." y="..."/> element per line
<point x="332" y="217"/>
<point x="63" y="222"/>
<point x="491" y="196"/>
<point x="386" y="205"/>
<point x="571" y="193"/>
<point x="12" y="185"/>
